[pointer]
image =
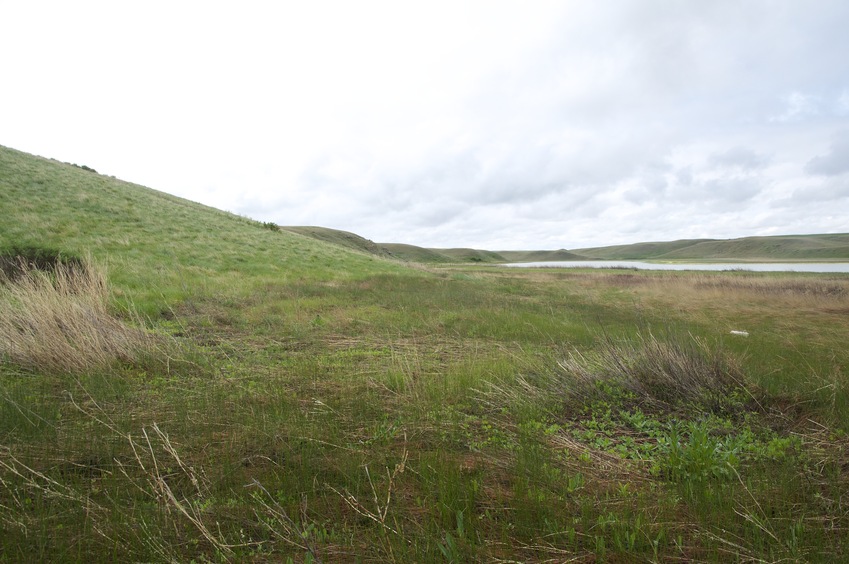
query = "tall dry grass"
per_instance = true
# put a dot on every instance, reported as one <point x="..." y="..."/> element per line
<point x="821" y="293"/>
<point x="674" y="371"/>
<point x="57" y="319"/>
<point x="680" y="372"/>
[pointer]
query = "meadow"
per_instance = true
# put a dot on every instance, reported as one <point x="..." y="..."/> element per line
<point x="183" y="384"/>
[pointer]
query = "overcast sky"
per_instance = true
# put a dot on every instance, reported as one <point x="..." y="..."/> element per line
<point x="491" y="124"/>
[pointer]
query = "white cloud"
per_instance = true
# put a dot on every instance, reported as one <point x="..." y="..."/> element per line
<point x="798" y="106"/>
<point x="493" y="124"/>
<point x="836" y="161"/>
<point x="842" y="105"/>
<point x="740" y="158"/>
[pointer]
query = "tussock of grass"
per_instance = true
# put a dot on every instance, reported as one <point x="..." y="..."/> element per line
<point x="58" y="320"/>
<point x="679" y="373"/>
<point x="670" y="373"/>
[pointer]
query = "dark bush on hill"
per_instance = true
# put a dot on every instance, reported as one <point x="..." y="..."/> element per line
<point x="17" y="259"/>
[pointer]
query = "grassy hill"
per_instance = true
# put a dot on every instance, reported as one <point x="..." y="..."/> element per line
<point x="413" y="253"/>
<point x="399" y="251"/>
<point x="470" y="255"/>
<point x="787" y="247"/>
<point x="540" y="256"/>
<point x="776" y="248"/>
<point x="182" y="384"/>
<point x="158" y="248"/>
<point x="636" y="251"/>
<point x="341" y="238"/>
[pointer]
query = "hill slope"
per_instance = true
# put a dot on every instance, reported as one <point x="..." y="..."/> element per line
<point x="399" y="251"/>
<point x="157" y="246"/>
<point x="341" y="238"/>
<point x="413" y="253"/>
<point x="781" y="247"/>
<point x="775" y="248"/>
<point x="470" y="255"/>
<point x="637" y="251"/>
<point x="540" y="256"/>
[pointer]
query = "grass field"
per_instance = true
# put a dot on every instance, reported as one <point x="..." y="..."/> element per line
<point x="278" y="398"/>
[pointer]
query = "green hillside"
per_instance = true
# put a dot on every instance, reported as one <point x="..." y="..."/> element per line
<point x="341" y="238"/>
<point x="540" y="256"/>
<point x="636" y="251"/>
<point x="776" y="248"/>
<point x="787" y="247"/>
<point x="781" y="247"/>
<point x="470" y="255"/>
<point x="159" y="248"/>
<point x="402" y="252"/>
<point x="413" y="253"/>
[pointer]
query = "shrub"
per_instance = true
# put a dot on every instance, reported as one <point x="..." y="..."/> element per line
<point x="18" y="259"/>
<point x="84" y="167"/>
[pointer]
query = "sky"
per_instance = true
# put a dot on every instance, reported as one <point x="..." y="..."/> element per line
<point x="492" y="124"/>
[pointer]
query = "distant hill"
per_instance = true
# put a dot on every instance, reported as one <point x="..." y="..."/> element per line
<point x="470" y="255"/>
<point x="637" y="251"/>
<point x="791" y="247"/>
<point x="341" y="238"/>
<point x="779" y="247"/>
<point x="398" y="251"/>
<point x="412" y="253"/>
<point x="540" y="256"/>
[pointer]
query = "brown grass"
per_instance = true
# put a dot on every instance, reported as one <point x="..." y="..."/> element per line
<point x="793" y="291"/>
<point x="664" y="375"/>
<point x="671" y="372"/>
<point x="58" y="320"/>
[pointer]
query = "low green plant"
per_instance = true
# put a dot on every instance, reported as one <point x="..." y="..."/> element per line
<point x="696" y="455"/>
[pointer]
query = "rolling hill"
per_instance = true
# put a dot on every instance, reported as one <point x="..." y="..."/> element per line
<point x="540" y="256"/>
<point x="341" y="238"/>
<point x="158" y="247"/>
<point x="764" y="249"/>
<point x="780" y="247"/>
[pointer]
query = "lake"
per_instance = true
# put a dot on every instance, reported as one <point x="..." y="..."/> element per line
<point x="750" y="266"/>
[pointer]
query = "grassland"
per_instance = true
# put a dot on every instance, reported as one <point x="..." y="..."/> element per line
<point x="292" y="400"/>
